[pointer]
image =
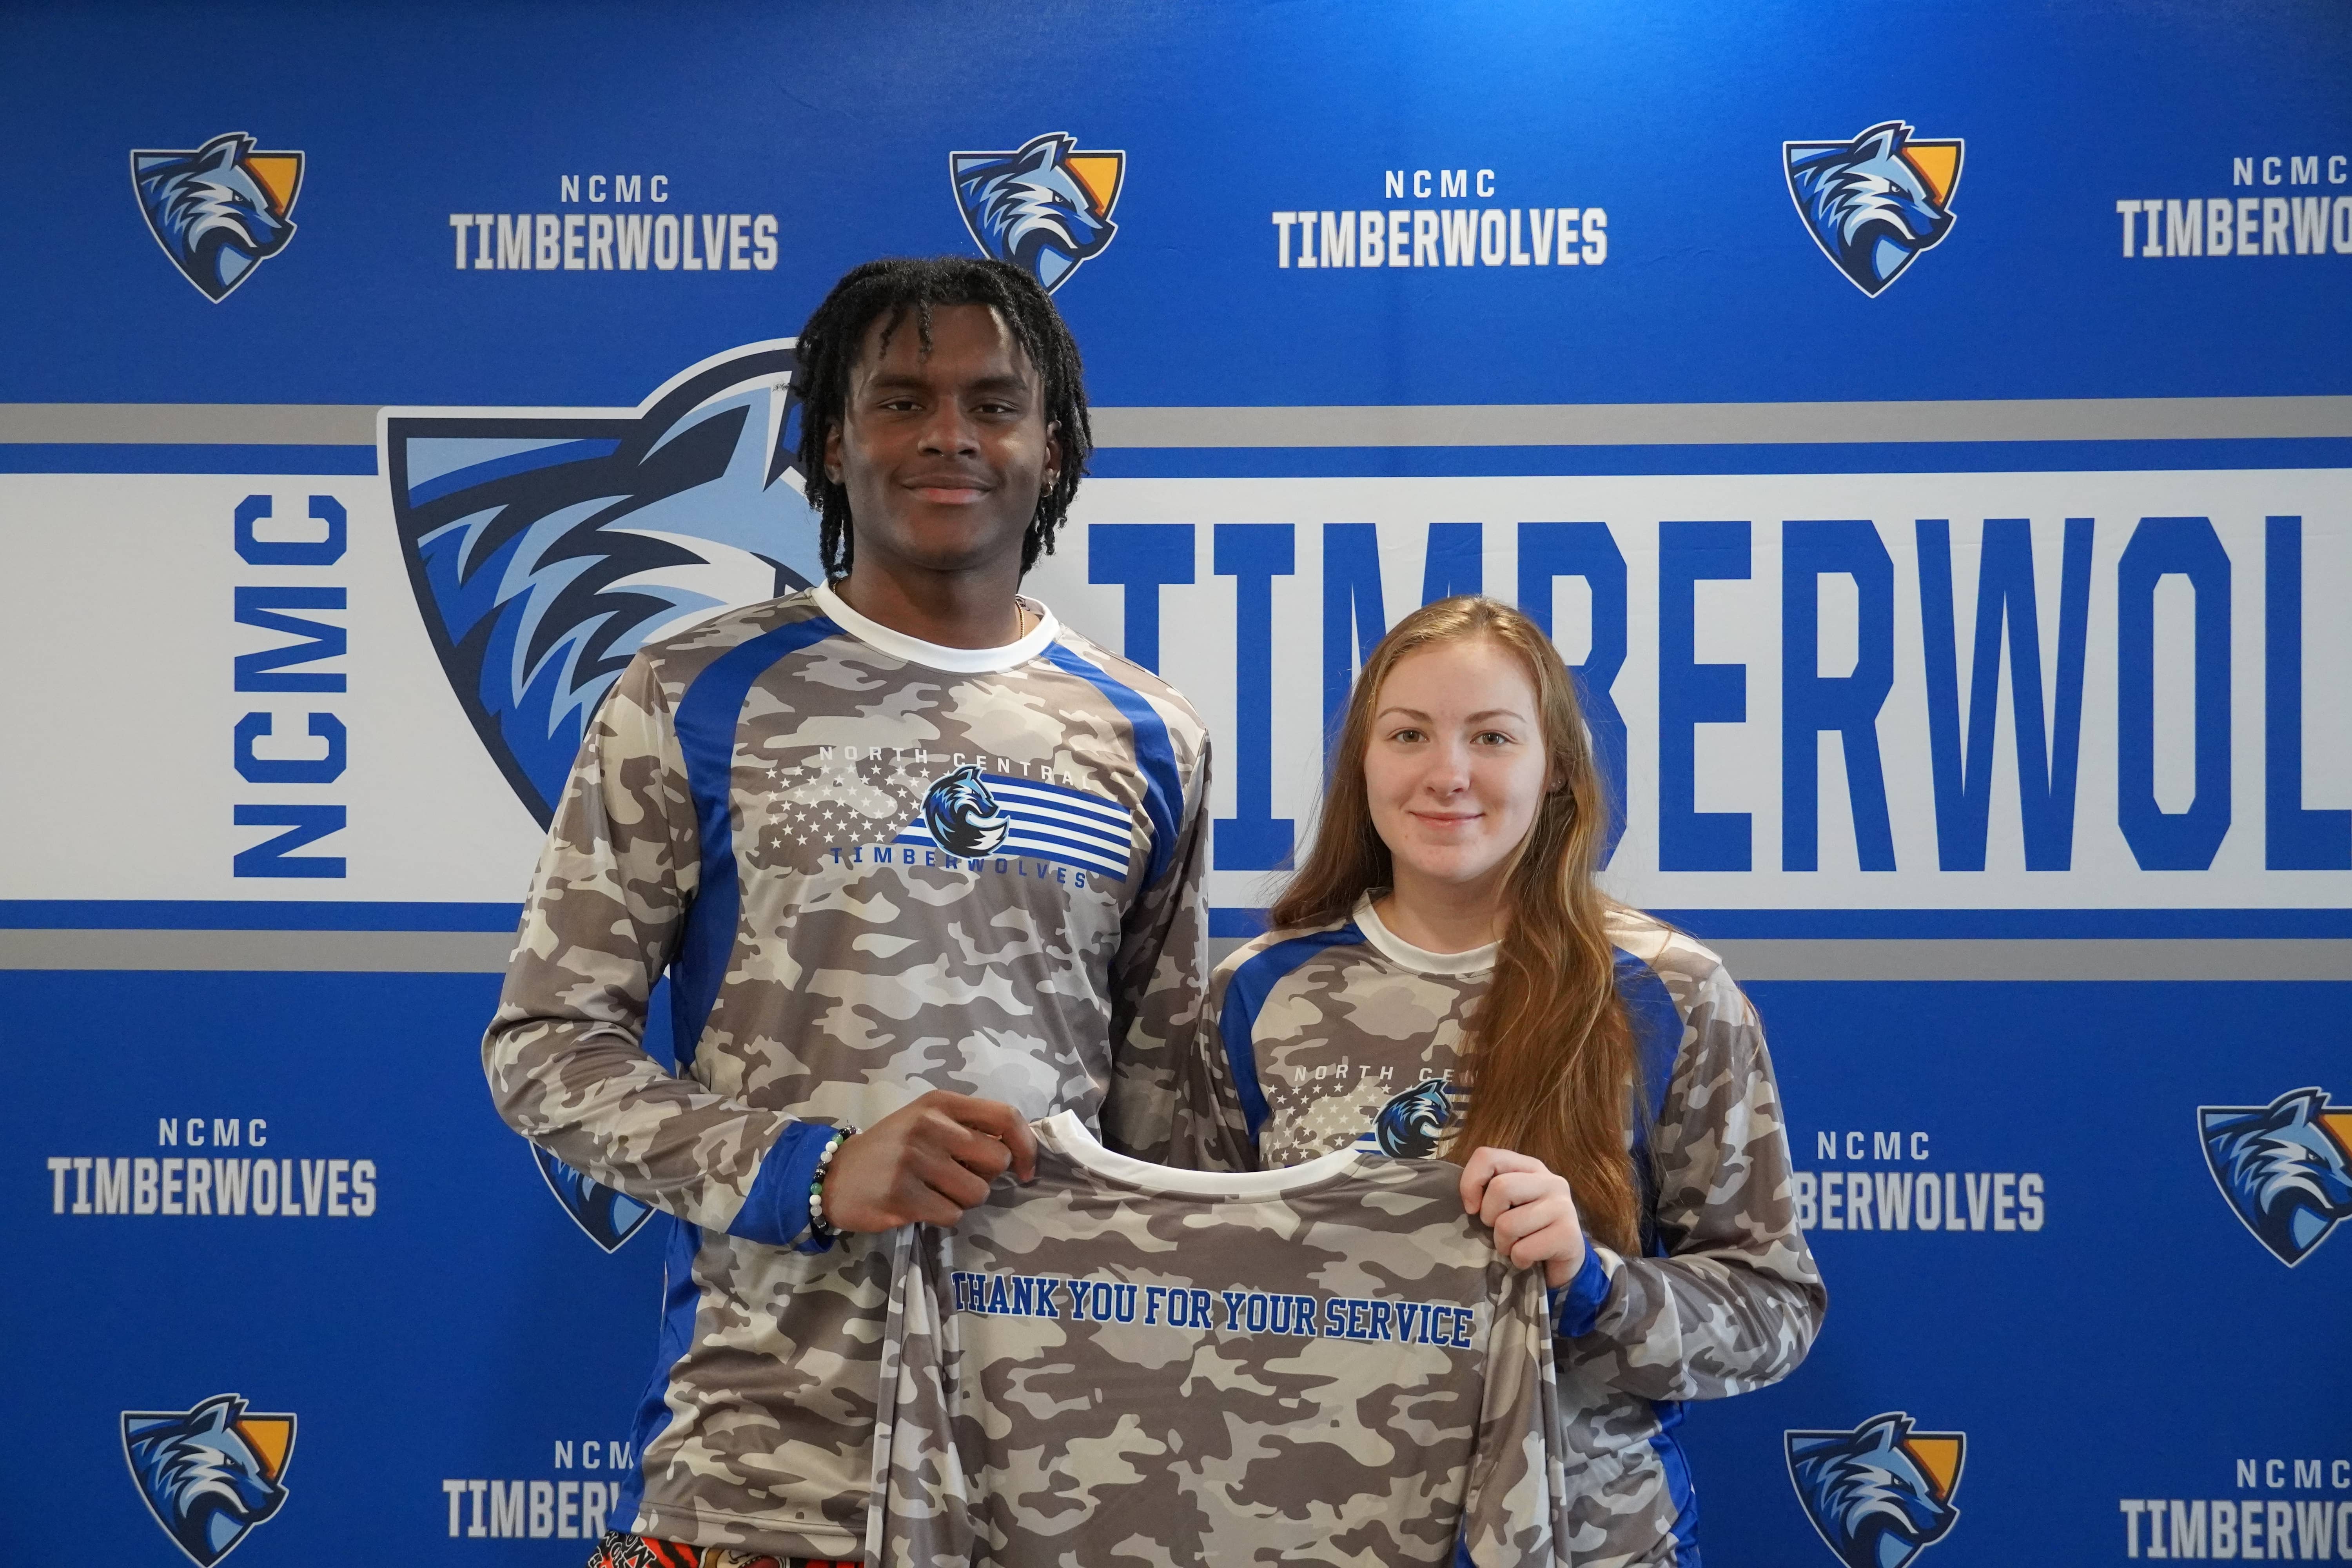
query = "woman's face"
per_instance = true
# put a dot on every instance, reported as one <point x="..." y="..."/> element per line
<point x="1457" y="767"/>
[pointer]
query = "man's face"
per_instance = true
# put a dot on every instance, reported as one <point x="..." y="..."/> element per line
<point x="943" y="454"/>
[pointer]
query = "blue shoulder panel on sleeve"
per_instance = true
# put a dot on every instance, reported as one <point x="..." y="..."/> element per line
<point x="1657" y="1026"/>
<point x="1247" y="992"/>
<point x="707" y="719"/>
<point x="1155" y="755"/>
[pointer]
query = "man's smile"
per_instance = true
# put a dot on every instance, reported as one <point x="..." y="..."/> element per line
<point x="947" y="489"/>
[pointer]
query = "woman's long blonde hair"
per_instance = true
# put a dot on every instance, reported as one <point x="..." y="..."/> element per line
<point x="1550" y="1053"/>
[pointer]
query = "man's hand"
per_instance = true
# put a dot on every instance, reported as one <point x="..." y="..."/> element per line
<point x="925" y="1163"/>
<point x="1531" y="1211"/>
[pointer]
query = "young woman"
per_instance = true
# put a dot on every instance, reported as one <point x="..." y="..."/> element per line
<point x="1443" y="976"/>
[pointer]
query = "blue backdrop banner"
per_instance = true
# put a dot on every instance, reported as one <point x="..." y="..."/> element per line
<point x="1928" y="432"/>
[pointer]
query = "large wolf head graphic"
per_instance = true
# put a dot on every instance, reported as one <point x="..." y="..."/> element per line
<point x="546" y="547"/>
<point x="962" y="816"/>
<point x="210" y="1475"/>
<point x="216" y="211"/>
<point x="2285" y="1168"/>
<point x="1410" y="1125"/>
<point x="1044" y="208"/>
<point x="1875" y="202"/>
<point x="1881" y="1493"/>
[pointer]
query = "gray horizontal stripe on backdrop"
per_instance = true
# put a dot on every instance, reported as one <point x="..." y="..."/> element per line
<point x="388" y="951"/>
<point x="2179" y="958"/>
<point x="2112" y="959"/>
<point x="1760" y="424"/>
<point x="190" y="424"/>
<point x="1440" y="425"/>
<point x="485" y="952"/>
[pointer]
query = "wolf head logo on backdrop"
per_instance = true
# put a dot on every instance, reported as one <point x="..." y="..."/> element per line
<point x="208" y="1475"/>
<point x="220" y="211"/>
<point x="1875" y="203"/>
<point x="546" y="546"/>
<point x="1408" y="1126"/>
<point x="1044" y="208"/>
<point x="608" y="1217"/>
<point x="1880" y="1494"/>
<point x="2285" y="1168"/>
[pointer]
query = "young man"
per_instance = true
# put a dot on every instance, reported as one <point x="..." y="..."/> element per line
<point x="918" y="859"/>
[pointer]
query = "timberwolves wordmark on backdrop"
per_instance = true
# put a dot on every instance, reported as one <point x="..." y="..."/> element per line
<point x="1875" y="202"/>
<point x="1881" y="1493"/>
<point x="208" y="1475"/>
<point x="546" y="546"/>
<point x="1044" y="207"/>
<point x="2285" y="1168"/>
<point x="219" y="212"/>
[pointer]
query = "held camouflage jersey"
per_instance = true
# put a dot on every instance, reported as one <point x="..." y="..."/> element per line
<point x="1319" y="1039"/>
<point x="871" y="866"/>
<point x="1123" y="1366"/>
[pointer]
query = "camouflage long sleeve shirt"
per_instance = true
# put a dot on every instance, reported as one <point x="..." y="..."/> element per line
<point x="870" y="866"/>
<point x="1314" y="1040"/>
<point x="1125" y="1365"/>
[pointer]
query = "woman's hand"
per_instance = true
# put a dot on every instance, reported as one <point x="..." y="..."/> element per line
<point x="1531" y="1211"/>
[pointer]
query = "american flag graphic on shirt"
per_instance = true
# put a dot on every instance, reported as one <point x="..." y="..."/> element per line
<point x="1043" y="821"/>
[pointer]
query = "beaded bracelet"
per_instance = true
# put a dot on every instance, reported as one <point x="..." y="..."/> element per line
<point x="818" y="1229"/>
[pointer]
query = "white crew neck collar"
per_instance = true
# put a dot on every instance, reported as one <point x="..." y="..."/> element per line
<point x="1420" y="960"/>
<point x="1070" y="1135"/>
<point x="933" y="655"/>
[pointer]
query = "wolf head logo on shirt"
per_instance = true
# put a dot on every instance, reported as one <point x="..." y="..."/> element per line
<point x="1875" y="203"/>
<point x="220" y="211"/>
<point x="546" y="546"/>
<point x="208" y="1475"/>
<point x="1408" y="1126"/>
<point x="2285" y="1168"/>
<point x="1880" y="1494"/>
<point x="962" y="816"/>
<point x="1044" y="208"/>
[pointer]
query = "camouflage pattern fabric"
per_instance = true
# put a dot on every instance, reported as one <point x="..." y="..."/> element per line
<point x="1126" y="1366"/>
<point x="1317" y="1040"/>
<point x="765" y="806"/>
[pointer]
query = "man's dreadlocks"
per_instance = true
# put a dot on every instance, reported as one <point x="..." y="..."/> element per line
<point x="890" y="290"/>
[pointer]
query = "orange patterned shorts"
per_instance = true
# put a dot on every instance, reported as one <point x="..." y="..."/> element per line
<point x="619" y="1549"/>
